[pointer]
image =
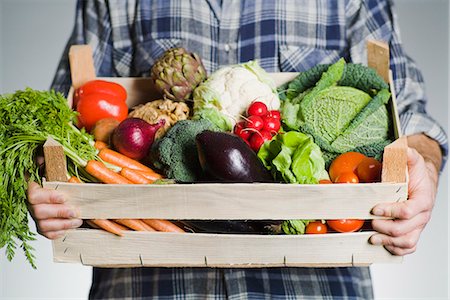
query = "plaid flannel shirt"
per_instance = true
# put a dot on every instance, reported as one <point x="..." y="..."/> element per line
<point x="127" y="36"/>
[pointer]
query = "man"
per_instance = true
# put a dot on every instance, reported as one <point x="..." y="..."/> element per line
<point x="286" y="35"/>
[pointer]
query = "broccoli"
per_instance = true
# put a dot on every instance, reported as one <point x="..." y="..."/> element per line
<point x="176" y="152"/>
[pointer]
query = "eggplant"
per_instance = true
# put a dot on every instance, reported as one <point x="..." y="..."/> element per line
<point x="225" y="157"/>
<point x="228" y="226"/>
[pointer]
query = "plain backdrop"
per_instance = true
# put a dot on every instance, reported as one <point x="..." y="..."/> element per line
<point x="32" y="36"/>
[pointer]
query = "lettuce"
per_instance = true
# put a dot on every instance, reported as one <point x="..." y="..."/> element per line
<point x="293" y="157"/>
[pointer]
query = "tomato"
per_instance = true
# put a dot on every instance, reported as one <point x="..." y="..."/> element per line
<point x="99" y="86"/>
<point x="369" y="170"/>
<point x="94" y="107"/>
<point x="257" y="108"/>
<point x="345" y="225"/>
<point x="346" y="162"/>
<point x="325" y="181"/>
<point x="316" y="227"/>
<point x="347" y="177"/>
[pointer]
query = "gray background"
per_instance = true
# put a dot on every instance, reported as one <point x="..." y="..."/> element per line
<point x="32" y="36"/>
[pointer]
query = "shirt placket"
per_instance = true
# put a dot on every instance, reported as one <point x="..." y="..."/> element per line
<point x="228" y="32"/>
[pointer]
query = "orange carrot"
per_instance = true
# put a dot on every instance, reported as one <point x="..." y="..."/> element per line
<point x="99" y="145"/>
<point x="120" y="160"/>
<point x="135" y="224"/>
<point x="163" y="225"/>
<point x="150" y="175"/>
<point x="109" y="226"/>
<point x="105" y="175"/>
<point x="134" y="176"/>
<point x="74" y="179"/>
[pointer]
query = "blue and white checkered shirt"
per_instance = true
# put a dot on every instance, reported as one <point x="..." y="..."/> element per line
<point x="127" y="36"/>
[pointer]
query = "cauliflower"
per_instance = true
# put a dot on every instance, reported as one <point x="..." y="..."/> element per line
<point x="225" y="96"/>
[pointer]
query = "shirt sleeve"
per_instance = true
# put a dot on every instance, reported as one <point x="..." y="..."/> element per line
<point x="375" y="19"/>
<point x="92" y="27"/>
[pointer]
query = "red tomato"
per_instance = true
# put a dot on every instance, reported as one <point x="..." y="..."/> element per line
<point x="94" y="107"/>
<point x="345" y="225"/>
<point x="316" y="227"/>
<point x="325" y="181"/>
<point x="99" y="86"/>
<point x="346" y="162"/>
<point x="369" y="170"/>
<point x="257" y="108"/>
<point x="347" y="177"/>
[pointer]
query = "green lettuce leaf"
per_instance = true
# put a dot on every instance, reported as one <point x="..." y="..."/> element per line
<point x="293" y="157"/>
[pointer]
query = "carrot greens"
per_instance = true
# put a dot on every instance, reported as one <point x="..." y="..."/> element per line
<point x="28" y="118"/>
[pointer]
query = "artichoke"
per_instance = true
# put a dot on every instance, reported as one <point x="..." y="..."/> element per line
<point x="177" y="73"/>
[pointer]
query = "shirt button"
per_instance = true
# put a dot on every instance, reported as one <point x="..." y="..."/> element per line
<point x="227" y="47"/>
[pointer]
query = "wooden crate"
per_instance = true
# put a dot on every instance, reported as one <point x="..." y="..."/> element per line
<point x="261" y="201"/>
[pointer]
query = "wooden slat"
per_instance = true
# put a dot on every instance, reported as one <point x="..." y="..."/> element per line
<point x="395" y="161"/>
<point x="395" y="116"/>
<point x="229" y="201"/>
<point x="81" y="63"/>
<point x="99" y="248"/>
<point x="378" y="58"/>
<point x="55" y="161"/>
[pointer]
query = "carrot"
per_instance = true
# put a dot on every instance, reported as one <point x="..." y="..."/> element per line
<point x="109" y="226"/>
<point x="105" y="175"/>
<point x="134" y="176"/>
<point x="99" y="145"/>
<point x="163" y="225"/>
<point x="135" y="224"/>
<point x="150" y="175"/>
<point x="118" y="159"/>
<point x="74" y="179"/>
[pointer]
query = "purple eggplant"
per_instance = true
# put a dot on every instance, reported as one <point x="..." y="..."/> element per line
<point x="225" y="157"/>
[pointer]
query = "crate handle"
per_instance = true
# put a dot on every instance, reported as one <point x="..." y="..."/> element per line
<point x="378" y="58"/>
<point x="55" y="161"/>
<point x="81" y="64"/>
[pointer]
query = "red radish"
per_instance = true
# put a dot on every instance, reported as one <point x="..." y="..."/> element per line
<point x="254" y="122"/>
<point x="134" y="137"/>
<point x="274" y="114"/>
<point x="241" y="131"/>
<point x="271" y="124"/>
<point x="258" y="138"/>
<point x="257" y="108"/>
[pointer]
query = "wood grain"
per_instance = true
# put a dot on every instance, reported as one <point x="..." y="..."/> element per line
<point x="229" y="201"/>
<point x="81" y="63"/>
<point x="151" y="249"/>
<point x="378" y="58"/>
<point x="55" y="161"/>
<point x="395" y="161"/>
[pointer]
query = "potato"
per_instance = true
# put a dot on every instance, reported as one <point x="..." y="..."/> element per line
<point x="103" y="129"/>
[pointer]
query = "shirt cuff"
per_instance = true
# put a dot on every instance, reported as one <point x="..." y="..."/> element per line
<point x="415" y="123"/>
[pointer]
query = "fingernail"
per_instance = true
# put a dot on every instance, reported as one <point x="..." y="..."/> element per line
<point x="377" y="211"/>
<point x="76" y="223"/>
<point x="375" y="240"/>
<point x="60" y="199"/>
<point x="72" y="214"/>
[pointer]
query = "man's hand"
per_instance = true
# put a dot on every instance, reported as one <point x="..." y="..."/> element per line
<point x="48" y="210"/>
<point x="400" y="236"/>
